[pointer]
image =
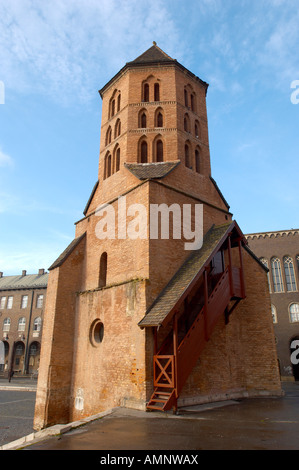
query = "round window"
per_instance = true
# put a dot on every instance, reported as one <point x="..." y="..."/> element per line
<point x="96" y="332"/>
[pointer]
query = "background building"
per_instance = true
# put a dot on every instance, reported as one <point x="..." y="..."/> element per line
<point x="22" y="300"/>
<point x="279" y="252"/>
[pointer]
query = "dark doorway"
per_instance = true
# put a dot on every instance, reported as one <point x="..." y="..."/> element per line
<point x="294" y="350"/>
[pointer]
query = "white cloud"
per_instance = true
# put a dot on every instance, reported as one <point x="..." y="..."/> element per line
<point x="63" y="48"/>
<point x="5" y="160"/>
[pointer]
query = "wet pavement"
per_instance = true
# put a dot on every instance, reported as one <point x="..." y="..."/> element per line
<point x="249" y="424"/>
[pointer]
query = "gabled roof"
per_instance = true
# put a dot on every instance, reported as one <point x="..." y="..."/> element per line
<point x="65" y="254"/>
<point x="90" y="197"/>
<point x="144" y="171"/>
<point x="176" y="290"/>
<point x="29" y="281"/>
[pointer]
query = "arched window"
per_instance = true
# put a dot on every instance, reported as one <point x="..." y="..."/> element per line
<point x="117" y="129"/>
<point x="112" y="108"/>
<point x="160" y="119"/>
<point x="159" y="151"/>
<point x="193" y="105"/>
<point x="265" y="263"/>
<point x="186" y="123"/>
<point x="186" y="97"/>
<point x="197" y="161"/>
<point x="276" y="275"/>
<point x="197" y="130"/>
<point x="187" y="156"/>
<point x="294" y="313"/>
<point x="297" y="258"/>
<point x="274" y="313"/>
<point x="107" y="166"/>
<point x="146" y="92"/>
<point x="6" y="324"/>
<point x="22" y="324"/>
<point x="37" y="324"/>
<point x="34" y="349"/>
<point x="103" y="270"/>
<point x="108" y="136"/>
<point x="19" y="349"/>
<point x="143" y="120"/>
<point x="157" y="92"/>
<point x="117" y="159"/>
<point x="289" y="274"/>
<point x="118" y="103"/>
<point x="143" y="152"/>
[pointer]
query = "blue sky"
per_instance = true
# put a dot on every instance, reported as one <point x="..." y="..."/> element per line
<point x="55" y="56"/>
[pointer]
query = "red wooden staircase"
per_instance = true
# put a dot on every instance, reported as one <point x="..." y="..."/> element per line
<point x="172" y="370"/>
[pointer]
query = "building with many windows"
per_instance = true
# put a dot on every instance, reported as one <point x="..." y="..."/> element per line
<point x="279" y="252"/>
<point x="22" y="300"/>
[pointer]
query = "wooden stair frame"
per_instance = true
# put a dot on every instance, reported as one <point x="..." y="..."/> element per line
<point x="171" y="371"/>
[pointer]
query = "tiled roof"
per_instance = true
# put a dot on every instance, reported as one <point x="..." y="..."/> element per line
<point x="173" y="292"/>
<point x="29" y="281"/>
<point x="60" y="260"/>
<point x="153" y="54"/>
<point x="144" y="171"/>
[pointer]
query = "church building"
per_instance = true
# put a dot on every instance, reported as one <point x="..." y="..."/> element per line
<point x="157" y="303"/>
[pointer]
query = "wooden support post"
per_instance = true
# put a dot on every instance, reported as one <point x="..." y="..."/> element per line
<point x="175" y="351"/>
<point x="155" y="340"/>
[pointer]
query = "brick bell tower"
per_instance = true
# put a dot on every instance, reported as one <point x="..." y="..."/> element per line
<point x="135" y="319"/>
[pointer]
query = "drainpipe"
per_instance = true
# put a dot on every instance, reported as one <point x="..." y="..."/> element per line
<point x="26" y="362"/>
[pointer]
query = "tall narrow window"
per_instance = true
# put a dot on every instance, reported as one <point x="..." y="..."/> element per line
<point x="186" y="97"/>
<point x="118" y="103"/>
<point x="117" y="159"/>
<point x="159" y="148"/>
<point x="117" y="129"/>
<point x="103" y="270"/>
<point x="143" y="121"/>
<point x="187" y="156"/>
<point x="9" y="301"/>
<point x="276" y="275"/>
<point x="37" y="324"/>
<point x="157" y="91"/>
<point x="192" y="97"/>
<point x="160" y="119"/>
<point x="108" y="135"/>
<point x="289" y="274"/>
<point x="109" y="166"/>
<point x="40" y="301"/>
<point x="21" y="324"/>
<point x="265" y="263"/>
<point x="6" y="325"/>
<point x="274" y="313"/>
<point x="297" y="258"/>
<point x="294" y="313"/>
<point x="197" y="130"/>
<point x="112" y="108"/>
<point x="197" y="161"/>
<point x="2" y="302"/>
<point x="146" y="92"/>
<point x="24" y="302"/>
<point x="143" y="152"/>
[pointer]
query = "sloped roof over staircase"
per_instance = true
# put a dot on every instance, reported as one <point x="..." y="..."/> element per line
<point x="176" y="290"/>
